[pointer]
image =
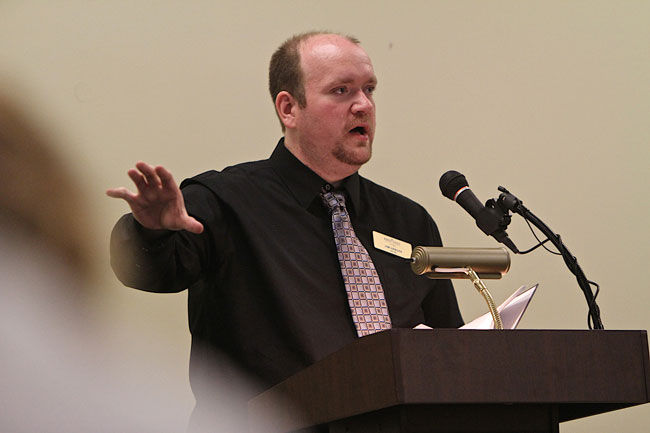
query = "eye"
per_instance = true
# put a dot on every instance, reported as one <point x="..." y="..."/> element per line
<point x="340" y="90"/>
<point x="370" y="90"/>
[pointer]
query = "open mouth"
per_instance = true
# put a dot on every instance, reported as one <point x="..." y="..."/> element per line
<point x="360" y="130"/>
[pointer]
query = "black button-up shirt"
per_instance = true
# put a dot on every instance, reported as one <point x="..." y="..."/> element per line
<point x="265" y="286"/>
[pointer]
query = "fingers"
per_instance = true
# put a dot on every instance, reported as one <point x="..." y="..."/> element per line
<point x="138" y="179"/>
<point x="149" y="173"/>
<point x="158" y="202"/>
<point x="148" y="176"/>
<point x="142" y="176"/>
<point x="166" y="179"/>
<point x="145" y="176"/>
<point x="121" y="192"/>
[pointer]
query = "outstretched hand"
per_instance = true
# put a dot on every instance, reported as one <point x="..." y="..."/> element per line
<point x="158" y="203"/>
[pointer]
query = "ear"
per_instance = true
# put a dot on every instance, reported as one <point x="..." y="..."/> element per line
<point x="286" y="107"/>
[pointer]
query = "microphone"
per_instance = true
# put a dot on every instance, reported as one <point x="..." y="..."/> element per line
<point x="491" y="221"/>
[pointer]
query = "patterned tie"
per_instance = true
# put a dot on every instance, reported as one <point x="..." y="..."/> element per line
<point x="365" y="294"/>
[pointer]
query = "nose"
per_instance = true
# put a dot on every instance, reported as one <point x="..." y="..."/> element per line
<point x="362" y="103"/>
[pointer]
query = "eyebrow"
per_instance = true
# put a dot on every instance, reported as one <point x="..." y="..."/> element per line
<point x="348" y="80"/>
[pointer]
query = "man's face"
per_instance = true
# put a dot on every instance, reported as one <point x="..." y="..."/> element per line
<point x="337" y="125"/>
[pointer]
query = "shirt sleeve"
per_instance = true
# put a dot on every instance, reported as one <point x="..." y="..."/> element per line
<point x="161" y="261"/>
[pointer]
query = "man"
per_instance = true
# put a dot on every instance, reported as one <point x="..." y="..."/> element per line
<point x="254" y="243"/>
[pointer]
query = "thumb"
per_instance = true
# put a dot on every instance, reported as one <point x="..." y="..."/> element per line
<point x="192" y="225"/>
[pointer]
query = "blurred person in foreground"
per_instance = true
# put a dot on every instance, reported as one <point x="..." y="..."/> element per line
<point x="44" y="267"/>
<point x="58" y="372"/>
<point x="254" y="243"/>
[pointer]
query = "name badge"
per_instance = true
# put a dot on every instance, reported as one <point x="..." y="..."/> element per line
<point x="391" y="245"/>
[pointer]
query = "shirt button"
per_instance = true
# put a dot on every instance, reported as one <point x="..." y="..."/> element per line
<point x="328" y="187"/>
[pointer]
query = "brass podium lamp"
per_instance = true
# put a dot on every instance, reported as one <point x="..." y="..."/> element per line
<point x="464" y="263"/>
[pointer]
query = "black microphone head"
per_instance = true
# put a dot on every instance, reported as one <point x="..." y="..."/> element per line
<point x="451" y="182"/>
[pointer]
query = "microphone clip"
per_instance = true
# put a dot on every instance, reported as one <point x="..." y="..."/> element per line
<point x="493" y="220"/>
<point x="508" y="202"/>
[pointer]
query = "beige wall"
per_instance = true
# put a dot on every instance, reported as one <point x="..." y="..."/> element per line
<point x="548" y="98"/>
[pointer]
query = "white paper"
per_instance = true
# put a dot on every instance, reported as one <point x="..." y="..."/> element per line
<point x="511" y="311"/>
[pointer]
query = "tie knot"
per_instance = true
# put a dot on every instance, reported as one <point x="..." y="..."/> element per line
<point x="333" y="199"/>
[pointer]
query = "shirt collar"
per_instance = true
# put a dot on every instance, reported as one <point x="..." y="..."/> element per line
<point x="303" y="183"/>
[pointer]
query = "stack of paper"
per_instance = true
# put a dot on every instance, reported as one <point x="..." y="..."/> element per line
<point x="511" y="311"/>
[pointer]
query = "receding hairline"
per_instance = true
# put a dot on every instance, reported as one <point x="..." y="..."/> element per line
<point x="324" y="39"/>
<point x="326" y="48"/>
<point x="307" y="37"/>
<point x="301" y="38"/>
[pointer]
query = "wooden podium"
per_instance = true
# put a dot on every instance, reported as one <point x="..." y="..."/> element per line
<point x="452" y="380"/>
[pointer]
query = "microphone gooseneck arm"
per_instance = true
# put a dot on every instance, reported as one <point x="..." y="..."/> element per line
<point x="508" y="201"/>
